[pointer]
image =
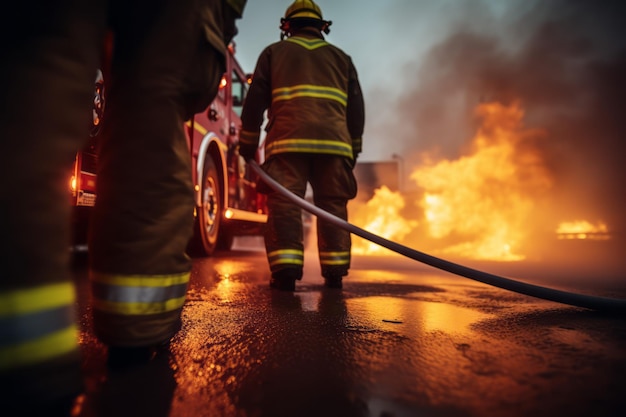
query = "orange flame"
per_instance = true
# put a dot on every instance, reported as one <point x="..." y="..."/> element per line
<point x="583" y="229"/>
<point x="485" y="199"/>
<point x="381" y="215"/>
<point x="482" y="205"/>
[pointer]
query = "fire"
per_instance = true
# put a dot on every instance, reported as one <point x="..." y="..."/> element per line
<point x="480" y="204"/>
<point x="484" y="205"/>
<point x="583" y="229"/>
<point x="381" y="215"/>
<point x="484" y="200"/>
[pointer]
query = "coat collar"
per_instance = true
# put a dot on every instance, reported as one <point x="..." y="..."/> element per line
<point x="309" y="32"/>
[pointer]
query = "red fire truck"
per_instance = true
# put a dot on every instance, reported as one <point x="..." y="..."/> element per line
<point x="227" y="204"/>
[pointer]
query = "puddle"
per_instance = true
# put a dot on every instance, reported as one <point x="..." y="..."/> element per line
<point x="413" y="315"/>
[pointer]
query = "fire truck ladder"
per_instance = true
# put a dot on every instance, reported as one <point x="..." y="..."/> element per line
<point x="604" y="304"/>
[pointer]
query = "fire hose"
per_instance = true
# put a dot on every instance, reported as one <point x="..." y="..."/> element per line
<point x="604" y="304"/>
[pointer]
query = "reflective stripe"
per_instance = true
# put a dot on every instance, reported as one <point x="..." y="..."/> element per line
<point x="30" y="326"/>
<point x="335" y="258"/>
<point x="309" y="90"/>
<point x="286" y="256"/>
<point x="42" y="349"/>
<point x="149" y="281"/>
<point x="357" y="144"/>
<point x="138" y="309"/>
<point x="138" y="294"/>
<point x="38" y="324"/>
<point x="309" y="44"/>
<point x="333" y="147"/>
<point x="197" y="126"/>
<point x="36" y="299"/>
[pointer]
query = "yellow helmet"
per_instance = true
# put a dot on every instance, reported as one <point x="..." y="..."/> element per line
<point x="303" y="8"/>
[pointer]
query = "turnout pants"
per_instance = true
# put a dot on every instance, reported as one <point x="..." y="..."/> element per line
<point x="333" y="185"/>
<point x="143" y="217"/>
<point x="50" y="57"/>
<point x="144" y="209"/>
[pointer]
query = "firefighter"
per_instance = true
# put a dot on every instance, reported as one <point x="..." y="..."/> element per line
<point x="167" y="62"/>
<point x="313" y="135"/>
<point x="143" y="218"/>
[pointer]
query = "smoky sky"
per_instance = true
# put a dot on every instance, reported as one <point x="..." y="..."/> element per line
<point x="565" y="63"/>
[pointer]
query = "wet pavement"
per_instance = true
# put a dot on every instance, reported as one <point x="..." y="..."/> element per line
<point x="401" y="339"/>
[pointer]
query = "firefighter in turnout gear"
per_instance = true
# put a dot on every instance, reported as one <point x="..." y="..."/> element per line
<point x="143" y="217"/>
<point x="315" y="112"/>
<point x="144" y="210"/>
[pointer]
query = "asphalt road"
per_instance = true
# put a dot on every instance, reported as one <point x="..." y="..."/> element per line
<point x="401" y="339"/>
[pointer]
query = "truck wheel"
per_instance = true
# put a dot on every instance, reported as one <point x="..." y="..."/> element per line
<point x="209" y="215"/>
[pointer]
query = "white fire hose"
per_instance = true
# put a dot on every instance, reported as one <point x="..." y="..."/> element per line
<point x="604" y="304"/>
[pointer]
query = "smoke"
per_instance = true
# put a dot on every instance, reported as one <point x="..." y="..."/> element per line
<point x="565" y="62"/>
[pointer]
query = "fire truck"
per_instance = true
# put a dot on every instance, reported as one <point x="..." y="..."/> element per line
<point x="226" y="202"/>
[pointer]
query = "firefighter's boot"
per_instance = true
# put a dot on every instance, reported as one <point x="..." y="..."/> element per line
<point x="333" y="281"/>
<point x="285" y="279"/>
<point x="333" y="276"/>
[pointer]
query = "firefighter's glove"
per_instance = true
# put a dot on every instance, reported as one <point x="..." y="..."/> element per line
<point x="247" y="151"/>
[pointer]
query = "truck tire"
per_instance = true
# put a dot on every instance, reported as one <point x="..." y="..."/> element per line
<point x="208" y="219"/>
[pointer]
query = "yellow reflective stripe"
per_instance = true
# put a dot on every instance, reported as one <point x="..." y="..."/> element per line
<point x="335" y="262"/>
<point x="36" y="299"/>
<point x="197" y="126"/>
<point x="333" y="147"/>
<point x="283" y="261"/>
<point x="335" y="254"/>
<point x="286" y="256"/>
<point x="335" y="258"/>
<point x="138" y="294"/>
<point x="286" y="252"/>
<point x="139" y="308"/>
<point x="309" y="44"/>
<point x="309" y="90"/>
<point x="40" y="350"/>
<point x="141" y="280"/>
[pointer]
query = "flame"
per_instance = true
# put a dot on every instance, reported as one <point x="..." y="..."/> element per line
<point x="583" y="229"/>
<point x="485" y="199"/>
<point x="482" y="205"/>
<point x="381" y="215"/>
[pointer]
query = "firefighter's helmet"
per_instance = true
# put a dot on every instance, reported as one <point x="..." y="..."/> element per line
<point x="304" y="10"/>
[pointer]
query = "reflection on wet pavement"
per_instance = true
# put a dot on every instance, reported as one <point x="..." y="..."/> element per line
<point x="393" y="343"/>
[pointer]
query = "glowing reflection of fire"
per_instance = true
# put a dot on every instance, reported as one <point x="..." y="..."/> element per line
<point x="424" y="316"/>
<point x="225" y="289"/>
<point x="227" y="285"/>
